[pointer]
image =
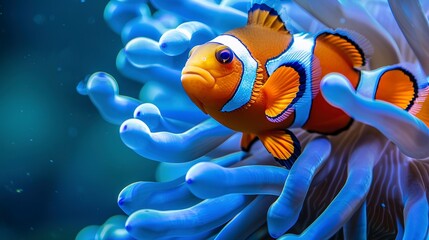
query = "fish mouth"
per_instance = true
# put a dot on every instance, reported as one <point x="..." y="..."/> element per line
<point x="198" y="75"/>
<point x="196" y="81"/>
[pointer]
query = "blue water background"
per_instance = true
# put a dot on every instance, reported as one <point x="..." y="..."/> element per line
<point x="61" y="165"/>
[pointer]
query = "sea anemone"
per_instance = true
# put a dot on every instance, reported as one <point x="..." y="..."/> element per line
<point x="369" y="181"/>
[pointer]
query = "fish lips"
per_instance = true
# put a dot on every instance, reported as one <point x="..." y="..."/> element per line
<point x="196" y="81"/>
<point x="197" y="75"/>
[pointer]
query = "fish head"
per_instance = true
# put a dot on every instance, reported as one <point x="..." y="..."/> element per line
<point x="211" y="76"/>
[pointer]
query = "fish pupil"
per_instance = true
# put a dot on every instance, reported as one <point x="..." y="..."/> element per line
<point x="224" y="55"/>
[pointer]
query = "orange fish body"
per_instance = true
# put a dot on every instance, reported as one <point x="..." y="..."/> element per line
<point x="261" y="80"/>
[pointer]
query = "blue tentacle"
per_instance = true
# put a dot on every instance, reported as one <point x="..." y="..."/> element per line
<point x="113" y="228"/>
<point x="285" y="211"/>
<point x="221" y="18"/>
<point x="352" y="195"/>
<point x="356" y="227"/>
<point x="142" y="27"/>
<point x="203" y="217"/>
<point x="208" y="180"/>
<point x="103" y="91"/>
<point x="176" y="41"/>
<point x="152" y="117"/>
<point x="171" y="195"/>
<point x="245" y="223"/>
<point x="118" y="13"/>
<point x="409" y="15"/>
<point x="167" y="171"/>
<point x="145" y="52"/>
<point x="180" y="147"/>
<point x="416" y="213"/>
<point x="164" y="75"/>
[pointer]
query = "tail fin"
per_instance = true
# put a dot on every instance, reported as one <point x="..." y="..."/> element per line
<point x="403" y="87"/>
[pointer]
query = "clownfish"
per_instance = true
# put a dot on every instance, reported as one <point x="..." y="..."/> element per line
<point x="262" y="80"/>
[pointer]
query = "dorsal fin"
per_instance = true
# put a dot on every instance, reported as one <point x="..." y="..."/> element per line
<point x="356" y="47"/>
<point x="262" y="14"/>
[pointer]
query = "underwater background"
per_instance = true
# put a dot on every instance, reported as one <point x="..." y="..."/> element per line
<point x="63" y="165"/>
<point x="54" y="180"/>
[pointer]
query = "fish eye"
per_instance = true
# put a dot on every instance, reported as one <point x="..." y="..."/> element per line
<point x="224" y="55"/>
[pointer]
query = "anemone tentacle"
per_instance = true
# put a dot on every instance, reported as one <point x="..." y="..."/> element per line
<point x="371" y="181"/>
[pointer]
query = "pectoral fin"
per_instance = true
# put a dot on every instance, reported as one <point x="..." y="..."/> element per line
<point x="283" y="145"/>
<point x="282" y="89"/>
<point x="247" y="140"/>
